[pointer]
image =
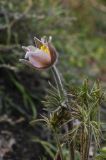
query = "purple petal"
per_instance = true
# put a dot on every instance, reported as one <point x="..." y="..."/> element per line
<point x="26" y="62"/>
<point x="40" y="59"/>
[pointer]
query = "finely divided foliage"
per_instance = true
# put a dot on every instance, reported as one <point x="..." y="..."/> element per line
<point x="74" y="120"/>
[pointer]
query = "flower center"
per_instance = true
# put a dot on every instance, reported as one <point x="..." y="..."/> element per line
<point x="45" y="49"/>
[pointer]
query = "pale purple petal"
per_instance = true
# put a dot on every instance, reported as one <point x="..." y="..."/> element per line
<point x="32" y="48"/>
<point x="44" y="40"/>
<point x="37" y="57"/>
<point x="25" y="48"/>
<point x="40" y="58"/>
<point x="27" y="54"/>
<point x="38" y="54"/>
<point x="35" y="63"/>
<point x="41" y="55"/>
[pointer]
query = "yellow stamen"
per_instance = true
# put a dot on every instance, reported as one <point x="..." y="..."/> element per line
<point x="45" y="49"/>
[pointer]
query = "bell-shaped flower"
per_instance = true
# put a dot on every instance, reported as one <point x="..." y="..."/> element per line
<point x="41" y="56"/>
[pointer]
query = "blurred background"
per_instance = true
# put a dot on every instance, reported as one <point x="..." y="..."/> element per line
<point x="78" y="28"/>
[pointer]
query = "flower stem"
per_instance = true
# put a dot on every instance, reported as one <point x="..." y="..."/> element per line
<point x="58" y="145"/>
<point x="71" y="145"/>
<point x="58" y="80"/>
<point x="63" y="92"/>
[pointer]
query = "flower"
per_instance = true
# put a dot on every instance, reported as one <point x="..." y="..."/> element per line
<point x="41" y="56"/>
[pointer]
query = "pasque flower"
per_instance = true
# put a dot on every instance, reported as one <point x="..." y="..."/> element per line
<point x="41" y="56"/>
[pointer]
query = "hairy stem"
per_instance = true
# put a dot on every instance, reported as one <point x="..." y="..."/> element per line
<point x="82" y="143"/>
<point x="58" y="145"/>
<point x="85" y="142"/>
<point x="88" y="142"/>
<point x="58" y="80"/>
<point x="62" y="90"/>
<point x="71" y="145"/>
